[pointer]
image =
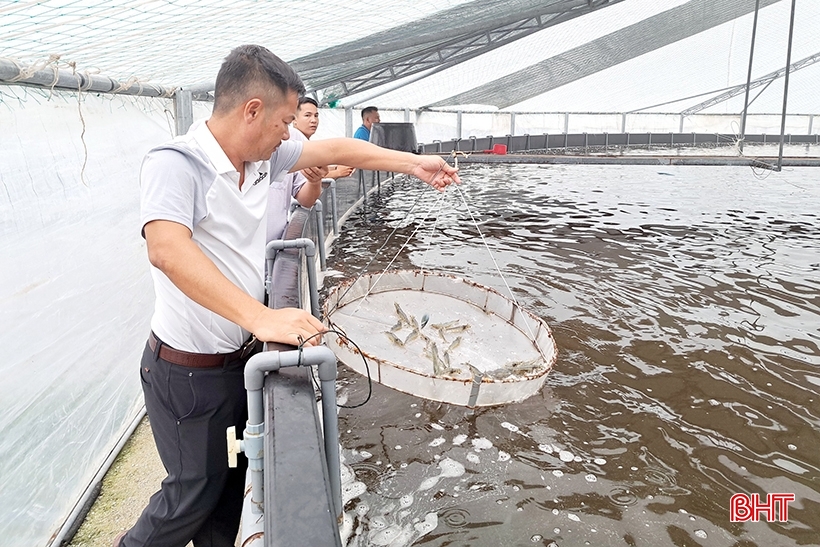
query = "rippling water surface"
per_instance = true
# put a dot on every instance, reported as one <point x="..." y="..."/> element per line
<point x="685" y="303"/>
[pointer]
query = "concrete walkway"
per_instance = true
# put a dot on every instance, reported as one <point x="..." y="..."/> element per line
<point x="135" y="475"/>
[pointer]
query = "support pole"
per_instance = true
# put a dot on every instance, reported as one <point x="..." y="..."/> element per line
<point x="334" y="211"/>
<point x="458" y="124"/>
<point x="348" y="122"/>
<point x="786" y="89"/>
<point x="320" y="233"/>
<point x="183" y="111"/>
<point x="749" y="79"/>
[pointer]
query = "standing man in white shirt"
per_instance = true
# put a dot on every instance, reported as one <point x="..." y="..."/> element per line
<point x="203" y="208"/>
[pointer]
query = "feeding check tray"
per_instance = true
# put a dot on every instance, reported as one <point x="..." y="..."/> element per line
<point x="440" y="337"/>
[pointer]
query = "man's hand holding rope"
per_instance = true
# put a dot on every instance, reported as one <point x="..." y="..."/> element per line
<point x="436" y="172"/>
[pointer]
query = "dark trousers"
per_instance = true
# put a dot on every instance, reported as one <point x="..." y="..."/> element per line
<point x="189" y="410"/>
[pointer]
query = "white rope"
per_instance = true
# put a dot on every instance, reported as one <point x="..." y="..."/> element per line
<point x="404" y="245"/>
<point x="124" y="86"/>
<point x="498" y="269"/>
<point x="24" y="73"/>
<point x="432" y="233"/>
<point x="73" y="66"/>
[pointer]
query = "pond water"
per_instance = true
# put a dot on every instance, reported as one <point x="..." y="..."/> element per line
<point x="685" y="303"/>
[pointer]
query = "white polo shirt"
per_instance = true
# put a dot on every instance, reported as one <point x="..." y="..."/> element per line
<point x="191" y="181"/>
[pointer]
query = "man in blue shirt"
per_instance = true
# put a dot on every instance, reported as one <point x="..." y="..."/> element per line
<point x="370" y="115"/>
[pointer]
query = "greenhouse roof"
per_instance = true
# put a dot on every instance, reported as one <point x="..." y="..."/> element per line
<point x="536" y="55"/>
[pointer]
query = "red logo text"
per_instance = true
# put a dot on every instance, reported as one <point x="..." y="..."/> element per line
<point x="743" y="508"/>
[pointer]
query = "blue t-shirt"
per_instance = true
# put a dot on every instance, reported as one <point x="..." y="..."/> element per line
<point x="362" y="133"/>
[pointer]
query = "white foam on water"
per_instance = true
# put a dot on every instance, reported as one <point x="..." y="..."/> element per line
<point x="511" y="427"/>
<point x="346" y="528"/>
<point x="451" y="468"/>
<point x="427" y="484"/>
<point x="352" y="490"/>
<point x="346" y="473"/>
<point x="378" y="523"/>
<point x="481" y="444"/>
<point x="459" y="439"/>
<point x="392" y="535"/>
<point x="427" y="525"/>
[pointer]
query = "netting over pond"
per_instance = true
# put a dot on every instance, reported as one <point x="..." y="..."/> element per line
<point x="75" y="287"/>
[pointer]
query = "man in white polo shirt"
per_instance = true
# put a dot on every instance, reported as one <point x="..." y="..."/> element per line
<point x="204" y="201"/>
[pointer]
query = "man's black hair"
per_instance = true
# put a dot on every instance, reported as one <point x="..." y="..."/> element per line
<point x="248" y="66"/>
<point x="305" y="99"/>
<point x="367" y="110"/>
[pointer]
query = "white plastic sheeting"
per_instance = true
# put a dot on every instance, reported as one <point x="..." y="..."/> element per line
<point x="76" y="295"/>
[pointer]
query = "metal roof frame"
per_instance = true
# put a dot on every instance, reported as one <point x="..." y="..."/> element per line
<point x="762" y="81"/>
<point x="341" y="71"/>
<point x="632" y="41"/>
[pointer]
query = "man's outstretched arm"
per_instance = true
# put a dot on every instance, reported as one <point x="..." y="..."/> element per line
<point x="431" y="169"/>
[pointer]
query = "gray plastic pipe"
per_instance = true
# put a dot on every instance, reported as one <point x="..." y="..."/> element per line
<point x="334" y="213"/>
<point x="310" y="253"/>
<point x="320" y="233"/>
<point x="253" y="438"/>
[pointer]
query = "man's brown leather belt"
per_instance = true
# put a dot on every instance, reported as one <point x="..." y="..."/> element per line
<point x="202" y="360"/>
